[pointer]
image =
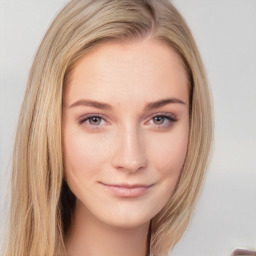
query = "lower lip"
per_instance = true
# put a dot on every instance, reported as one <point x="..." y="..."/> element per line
<point x="125" y="191"/>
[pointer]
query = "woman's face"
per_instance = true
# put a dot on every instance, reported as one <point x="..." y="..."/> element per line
<point x="125" y="130"/>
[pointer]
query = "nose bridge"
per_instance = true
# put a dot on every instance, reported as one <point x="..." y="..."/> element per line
<point x="130" y="152"/>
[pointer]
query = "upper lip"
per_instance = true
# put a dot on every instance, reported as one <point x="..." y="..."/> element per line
<point x="125" y="185"/>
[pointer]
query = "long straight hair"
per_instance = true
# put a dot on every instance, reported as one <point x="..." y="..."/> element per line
<point x="41" y="202"/>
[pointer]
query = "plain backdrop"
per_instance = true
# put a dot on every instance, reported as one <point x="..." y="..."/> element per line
<point x="225" y="31"/>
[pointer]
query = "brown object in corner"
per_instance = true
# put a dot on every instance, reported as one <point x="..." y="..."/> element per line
<point x="242" y="252"/>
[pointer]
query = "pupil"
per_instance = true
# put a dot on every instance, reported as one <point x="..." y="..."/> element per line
<point x="95" y="120"/>
<point x="158" y="119"/>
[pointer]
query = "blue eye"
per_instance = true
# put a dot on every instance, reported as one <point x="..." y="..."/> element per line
<point x="163" y="121"/>
<point x="95" y="121"/>
<point x="92" y="120"/>
<point x="159" y="119"/>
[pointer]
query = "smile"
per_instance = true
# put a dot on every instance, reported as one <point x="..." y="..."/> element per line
<point x="126" y="190"/>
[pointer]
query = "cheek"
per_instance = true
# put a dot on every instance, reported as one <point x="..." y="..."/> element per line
<point x="168" y="153"/>
<point x="84" y="158"/>
<point x="83" y="154"/>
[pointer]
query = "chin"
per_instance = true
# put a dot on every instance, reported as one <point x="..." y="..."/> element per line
<point x="128" y="215"/>
<point x="127" y="222"/>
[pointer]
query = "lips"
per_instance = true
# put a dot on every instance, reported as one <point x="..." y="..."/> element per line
<point x="126" y="190"/>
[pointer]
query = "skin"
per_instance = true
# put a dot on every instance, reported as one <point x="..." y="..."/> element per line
<point x="129" y="143"/>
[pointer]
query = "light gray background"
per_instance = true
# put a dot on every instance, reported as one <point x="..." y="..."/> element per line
<point x="225" y="32"/>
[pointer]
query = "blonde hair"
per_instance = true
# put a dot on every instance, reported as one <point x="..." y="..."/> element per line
<point x="41" y="203"/>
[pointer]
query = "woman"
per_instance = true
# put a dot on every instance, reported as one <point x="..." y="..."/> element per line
<point x="114" y="133"/>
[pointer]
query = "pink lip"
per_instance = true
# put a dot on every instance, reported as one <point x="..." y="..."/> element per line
<point x="126" y="190"/>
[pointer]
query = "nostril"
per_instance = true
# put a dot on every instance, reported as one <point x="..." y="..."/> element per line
<point x="129" y="160"/>
<point x="131" y="166"/>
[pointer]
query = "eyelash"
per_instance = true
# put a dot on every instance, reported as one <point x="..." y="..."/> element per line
<point x="169" y="120"/>
<point x="85" y="118"/>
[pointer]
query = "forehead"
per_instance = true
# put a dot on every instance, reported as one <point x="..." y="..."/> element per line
<point x="146" y="68"/>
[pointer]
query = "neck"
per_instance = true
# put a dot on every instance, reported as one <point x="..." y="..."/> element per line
<point x="89" y="236"/>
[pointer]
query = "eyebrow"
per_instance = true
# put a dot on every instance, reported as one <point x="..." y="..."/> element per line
<point x="148" y="107"/>
<point x="91" y="103"/>
<point x="161" y="103"/>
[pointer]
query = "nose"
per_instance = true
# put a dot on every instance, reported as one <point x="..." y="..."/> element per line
<point x="129" y="155"/>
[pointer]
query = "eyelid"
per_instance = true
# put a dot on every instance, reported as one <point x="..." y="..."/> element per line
<point x="171" y="119"/>
<point x="164" y="114"/>
<point x="83" y="119"/>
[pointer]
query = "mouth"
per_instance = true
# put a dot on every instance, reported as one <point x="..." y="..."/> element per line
<point x="126" y="190"/>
